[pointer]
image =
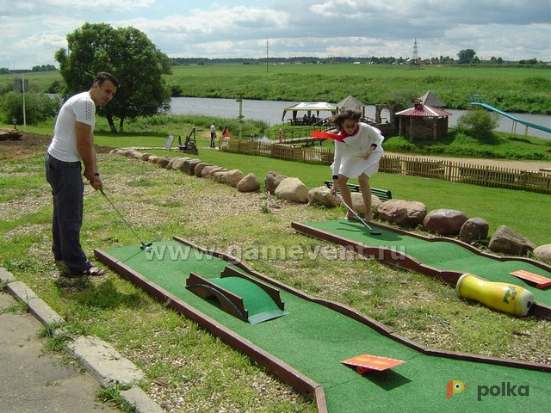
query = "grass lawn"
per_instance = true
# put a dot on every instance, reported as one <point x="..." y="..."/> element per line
<point x="475" y="201"/>
<point x="186" y="368"/>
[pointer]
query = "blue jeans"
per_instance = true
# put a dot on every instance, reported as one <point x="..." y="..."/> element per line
<point x="65" y="178"/>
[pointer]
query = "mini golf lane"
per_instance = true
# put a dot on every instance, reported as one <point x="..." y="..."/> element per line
<point x="444" y="258"/>
<point x="305" y="346"/>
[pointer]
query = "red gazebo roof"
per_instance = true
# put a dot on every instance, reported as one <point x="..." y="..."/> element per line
<point x="424" y="111"/>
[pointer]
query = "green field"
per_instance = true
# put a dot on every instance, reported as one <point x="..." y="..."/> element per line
<point x="513" y="89"/>
<point x="510" y="89"/>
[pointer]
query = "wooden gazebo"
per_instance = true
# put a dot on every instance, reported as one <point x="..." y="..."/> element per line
<point x="432" y="100"/>
<point x="351" y="102"/>
<point x="423" y="122"/>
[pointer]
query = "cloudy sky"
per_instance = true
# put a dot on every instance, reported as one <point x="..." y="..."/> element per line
<point x="33" y="30"/>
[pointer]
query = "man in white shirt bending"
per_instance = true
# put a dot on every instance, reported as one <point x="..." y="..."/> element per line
<point x="72" y="145"/>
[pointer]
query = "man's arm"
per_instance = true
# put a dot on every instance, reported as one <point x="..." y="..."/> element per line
<point x="85" y="146"/>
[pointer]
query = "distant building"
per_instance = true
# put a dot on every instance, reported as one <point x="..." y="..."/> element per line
<point x="431" y="99"/>
<point x="423" y="122"/>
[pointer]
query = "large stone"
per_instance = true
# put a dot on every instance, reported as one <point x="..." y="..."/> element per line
<point x="10" y="134"/>
<point x="153" y="159"/>
<point x="189" y="166"/>
<point x="272" y="181"/>
<point x="322" y="196"/>
<point x="249" y="183"/>
<point x="199" y="168"/>
<point x="171" y="163"/>
<point x="474" y="229"/>
<point x="543" y="253"/>
<point x="359" y="205"/>
<point x="233" y="177"/>
<point x="444" y="221"/>
<point x="292" y="189"/>
<point x="145" y="156"/>
<point x="403" y="213"/>
<point x="164" y="161"/>
<point x="133" y="154"/>
<point x="219" y="176"/>
<point x="208" y="171"/>
<point x="178" y="163"/>
<point x="507" y="241"/>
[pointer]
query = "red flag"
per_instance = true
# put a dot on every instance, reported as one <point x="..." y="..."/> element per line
<point x="326" y="135"/>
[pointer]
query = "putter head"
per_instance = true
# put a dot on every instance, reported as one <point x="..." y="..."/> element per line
<point x="375" y="232"/>
<point x="146" y="246"/>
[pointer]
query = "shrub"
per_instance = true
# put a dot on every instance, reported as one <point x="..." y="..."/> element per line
<point x="55" y="87"/>
<point x="38" y="108"/>
<point x="479" y="124"/>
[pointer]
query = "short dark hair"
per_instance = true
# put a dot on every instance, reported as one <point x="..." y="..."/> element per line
<point x="345" y="114"/>
<point x="101" y="77"/>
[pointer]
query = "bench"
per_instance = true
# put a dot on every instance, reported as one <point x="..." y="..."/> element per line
<point x="382" y="194"/>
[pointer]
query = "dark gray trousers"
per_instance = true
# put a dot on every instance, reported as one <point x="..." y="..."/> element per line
<point x="65" y="178"/>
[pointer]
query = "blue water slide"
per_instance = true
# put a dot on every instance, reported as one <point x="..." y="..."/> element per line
<point x="507" y="115"/>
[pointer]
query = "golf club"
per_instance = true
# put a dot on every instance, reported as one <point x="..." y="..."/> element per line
<point x="371" y="230"/>
<point x="145" y="246"/>
<point x="271" y="201"/>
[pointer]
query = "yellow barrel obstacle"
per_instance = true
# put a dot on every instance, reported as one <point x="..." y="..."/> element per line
<point x="504" y="297"/>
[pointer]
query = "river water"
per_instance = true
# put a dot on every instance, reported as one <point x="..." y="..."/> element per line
<point x="270" y="111"/>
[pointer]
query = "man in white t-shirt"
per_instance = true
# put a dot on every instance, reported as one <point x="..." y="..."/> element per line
<point x="73" y="143"/>
<point x="212" y="135"/>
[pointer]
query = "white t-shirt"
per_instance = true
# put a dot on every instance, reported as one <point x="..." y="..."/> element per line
<point x="78" y="108"/>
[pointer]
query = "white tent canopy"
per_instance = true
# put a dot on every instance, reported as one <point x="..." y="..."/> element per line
<point x="310" y="107"/>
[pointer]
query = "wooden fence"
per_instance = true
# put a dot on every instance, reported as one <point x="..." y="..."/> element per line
<point x="452" y="171"/>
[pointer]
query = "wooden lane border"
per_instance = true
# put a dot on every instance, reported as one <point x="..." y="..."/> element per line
<point x="470" y="247"/>
<point x="368" y="321"/>
<point x="285" y="372"/>
<point x="399" y="259"/>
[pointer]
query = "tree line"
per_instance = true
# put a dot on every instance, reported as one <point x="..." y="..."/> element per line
<point x="466" y="56"/>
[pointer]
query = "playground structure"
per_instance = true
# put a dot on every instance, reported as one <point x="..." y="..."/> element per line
<point x="308" y="346"/>
<point x="190" y="144"/>
<point x="478" y="100"/>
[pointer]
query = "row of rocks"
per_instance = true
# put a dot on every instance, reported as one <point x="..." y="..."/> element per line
<point x="444" y="222"/>
<point x="451" y="222"/>
<point x="198" y="168"/>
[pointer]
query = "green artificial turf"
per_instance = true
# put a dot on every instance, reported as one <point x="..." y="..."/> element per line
<point x="314" y="339"/>
<point x="257" y="302"/>
<point x="440" y="254"/>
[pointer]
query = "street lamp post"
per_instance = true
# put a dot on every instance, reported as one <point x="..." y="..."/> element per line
<point x="240" y="117"/>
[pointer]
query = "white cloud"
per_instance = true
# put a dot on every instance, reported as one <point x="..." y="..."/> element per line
<point x="221" y="21"/>
<point x="110" y="5"/>
<point x="509" y="29"/>
<point x="47" y="41"/>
